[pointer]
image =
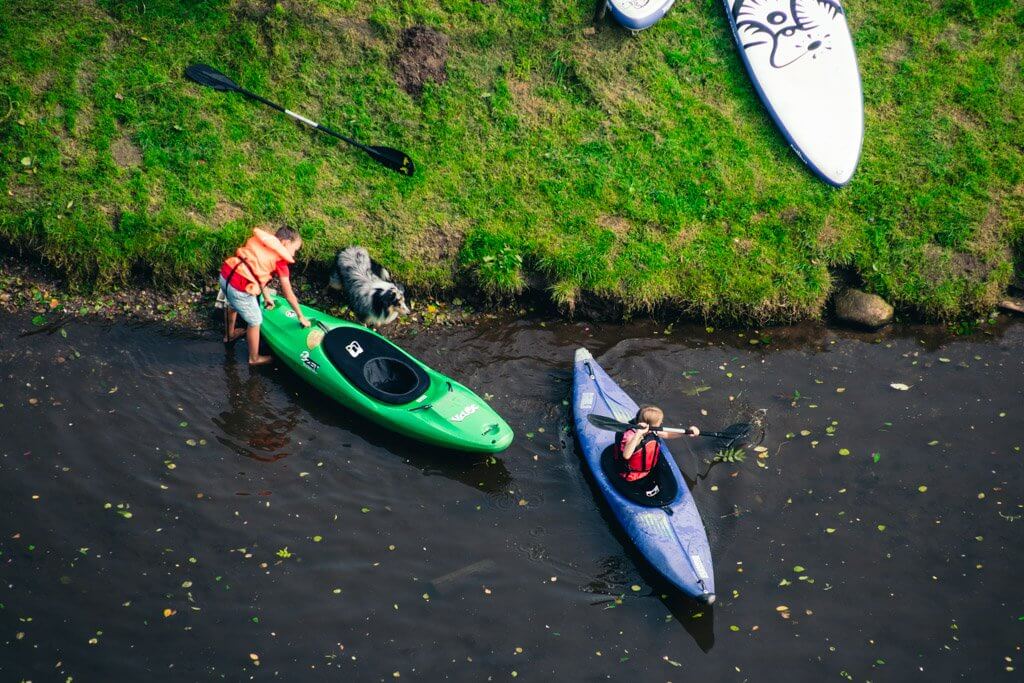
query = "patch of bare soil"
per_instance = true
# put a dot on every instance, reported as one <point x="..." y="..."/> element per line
<point x="618" y="225"/>
<point x="126" y="153"/>
<point x="438" y="245"/>
<point x="421" y="58"/>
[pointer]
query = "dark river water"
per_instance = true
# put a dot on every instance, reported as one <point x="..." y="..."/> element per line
<point x="166" y="514"/>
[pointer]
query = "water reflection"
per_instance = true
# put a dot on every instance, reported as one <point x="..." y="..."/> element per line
<point x="251" y="427"/>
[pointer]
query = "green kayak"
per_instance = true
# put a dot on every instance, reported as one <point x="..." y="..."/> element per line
<point x="369" y="375"/>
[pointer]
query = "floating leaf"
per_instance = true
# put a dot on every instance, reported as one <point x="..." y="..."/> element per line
<point x="844" y="451"/>
<point x="899" y="386"/>
<point x="798" y="569"/>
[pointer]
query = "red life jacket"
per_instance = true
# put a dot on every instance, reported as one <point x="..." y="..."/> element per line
<point x="640" y="463"/>
<point x="257" y="257"/>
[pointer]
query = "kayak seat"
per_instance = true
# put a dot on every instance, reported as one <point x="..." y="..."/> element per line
<point x="667" y="483"/>
<point x="374" y="365"/>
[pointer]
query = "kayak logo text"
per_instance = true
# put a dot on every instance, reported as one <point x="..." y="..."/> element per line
<point x="354" y="349"/>
<point x="309" y="362"/>
<point x="465" y="412"/>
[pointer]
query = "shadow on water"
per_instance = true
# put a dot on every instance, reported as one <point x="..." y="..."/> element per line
<point x="253" y="429"/>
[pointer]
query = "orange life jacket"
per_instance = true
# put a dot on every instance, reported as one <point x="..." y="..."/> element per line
<point x="256" y="259"/>
<point x="642" y="460"/>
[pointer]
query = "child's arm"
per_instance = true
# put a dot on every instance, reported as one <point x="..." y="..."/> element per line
<point x="693" y="431"/>
<point x="289" y="295"/>
<point x="634" y="439"/>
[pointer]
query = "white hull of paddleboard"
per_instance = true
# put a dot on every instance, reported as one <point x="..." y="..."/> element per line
<point x="800" y="57"/>
<point x="636" y="15"/>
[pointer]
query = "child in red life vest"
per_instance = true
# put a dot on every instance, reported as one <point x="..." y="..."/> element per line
<point x="243" y="278"/>
<point x="639" y="450"/>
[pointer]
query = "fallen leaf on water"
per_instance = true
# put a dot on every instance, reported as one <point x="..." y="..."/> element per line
<point x="899" y="386"/>
<point x="922" y="488"/>
<point x="168" y="612"/>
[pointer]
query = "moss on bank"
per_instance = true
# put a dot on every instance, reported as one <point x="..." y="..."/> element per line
<point x="639" y="169"/>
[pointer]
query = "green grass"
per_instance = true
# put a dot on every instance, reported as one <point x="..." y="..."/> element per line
<point x="641" y="169"/>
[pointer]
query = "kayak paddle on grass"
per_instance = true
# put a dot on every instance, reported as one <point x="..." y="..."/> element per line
<point x="389" y="157"/>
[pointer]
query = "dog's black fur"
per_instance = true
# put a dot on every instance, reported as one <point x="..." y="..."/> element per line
<point x="372" y="295"/>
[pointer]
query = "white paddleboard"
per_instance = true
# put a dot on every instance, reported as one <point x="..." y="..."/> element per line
<point x="637" y="15"/>
<point x="800" y="56"/>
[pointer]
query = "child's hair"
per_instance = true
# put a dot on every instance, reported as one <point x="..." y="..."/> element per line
<point x="652" y="415"/>
<point x="285" y="233"/>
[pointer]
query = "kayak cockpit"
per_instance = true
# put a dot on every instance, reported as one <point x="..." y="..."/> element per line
<point x="666" y="491"/>
<point x="375" y="366"/>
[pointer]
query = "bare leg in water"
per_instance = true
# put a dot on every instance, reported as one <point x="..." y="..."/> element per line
<point x="230" y="320"/>
<point x="252" y="337"/>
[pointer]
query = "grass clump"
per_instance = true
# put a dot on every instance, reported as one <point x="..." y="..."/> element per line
<point x="641" y="169"/>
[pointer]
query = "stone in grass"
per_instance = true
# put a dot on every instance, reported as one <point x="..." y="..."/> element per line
<point x="859" y="308"/>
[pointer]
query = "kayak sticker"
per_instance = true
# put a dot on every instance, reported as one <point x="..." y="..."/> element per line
<point x="654" y="524"/>
<point x="309" y="362"/>
<point x="587" y="400"/>
<point x="465" y="412"/>
<point x="698" y="566"/>
<point x="354" y="349"/>
<point x="289" y="313"/>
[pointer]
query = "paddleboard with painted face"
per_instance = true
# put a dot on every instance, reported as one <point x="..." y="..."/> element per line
<point x="800" y="57"/>
<point x="636" y="15"/>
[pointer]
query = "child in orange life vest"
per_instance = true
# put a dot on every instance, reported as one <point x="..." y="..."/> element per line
<point x="639" y="450"/>
<point x="243" y="278"/>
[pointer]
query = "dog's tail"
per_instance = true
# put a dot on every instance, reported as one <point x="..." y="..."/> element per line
<point x="350" y="259"/>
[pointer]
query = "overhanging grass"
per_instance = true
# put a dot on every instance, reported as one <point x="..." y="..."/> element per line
<point x="643" y="169"/>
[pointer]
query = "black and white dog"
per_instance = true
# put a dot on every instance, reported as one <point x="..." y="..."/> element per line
<point x="375" y="299"/>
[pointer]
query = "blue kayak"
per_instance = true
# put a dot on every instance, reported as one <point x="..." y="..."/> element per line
<point x="667" y="531"/>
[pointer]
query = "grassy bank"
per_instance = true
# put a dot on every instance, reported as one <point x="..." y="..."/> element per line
<point x="640" y="168"/>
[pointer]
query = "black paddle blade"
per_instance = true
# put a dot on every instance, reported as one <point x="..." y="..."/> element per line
<point x="608" y="423"/>
<point x="740" y="431"/>
<point x="203" y="74"/>
<point x="394" y="159"/>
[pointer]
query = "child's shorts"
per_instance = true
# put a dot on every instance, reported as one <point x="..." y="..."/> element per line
<point x="247" y="305"/>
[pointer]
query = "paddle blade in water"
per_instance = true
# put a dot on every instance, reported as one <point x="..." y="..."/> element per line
<point x="394" y="159"/>
<point x="204" y="74"/>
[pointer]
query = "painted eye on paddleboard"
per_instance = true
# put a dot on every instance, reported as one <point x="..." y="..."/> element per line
<point x="776" y="18"/>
